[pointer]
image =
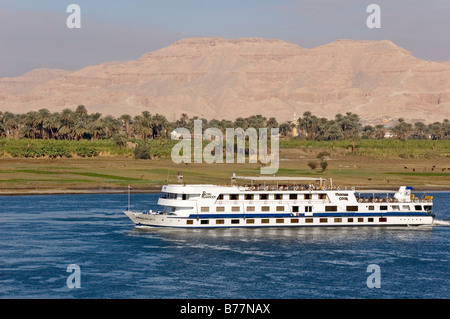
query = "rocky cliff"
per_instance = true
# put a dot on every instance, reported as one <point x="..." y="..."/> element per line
<point x="219" y="78"/>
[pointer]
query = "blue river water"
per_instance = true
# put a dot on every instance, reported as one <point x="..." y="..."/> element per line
<point x="40" y="236"/>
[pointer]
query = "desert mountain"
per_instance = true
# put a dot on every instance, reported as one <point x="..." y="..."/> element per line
<point x="225" y="79"/>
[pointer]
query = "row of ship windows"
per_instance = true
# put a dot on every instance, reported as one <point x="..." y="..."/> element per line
<point x="292" y="220"/>
<point x="296" y="209"/>
<point x="272" y="196"/>
<point x="251" y="196"/>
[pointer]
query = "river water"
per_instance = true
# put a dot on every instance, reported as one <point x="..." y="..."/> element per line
<point x="41" y="236"/>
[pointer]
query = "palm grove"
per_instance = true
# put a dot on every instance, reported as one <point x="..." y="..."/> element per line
<point x="79" y="124"/>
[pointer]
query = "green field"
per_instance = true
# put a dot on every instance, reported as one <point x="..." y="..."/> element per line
<point x="423" y="164"/>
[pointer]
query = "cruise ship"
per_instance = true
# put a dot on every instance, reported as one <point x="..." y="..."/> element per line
<point x="268" y="201"/>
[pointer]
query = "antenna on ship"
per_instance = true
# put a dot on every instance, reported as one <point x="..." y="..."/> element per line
<point x="129" y="188"/>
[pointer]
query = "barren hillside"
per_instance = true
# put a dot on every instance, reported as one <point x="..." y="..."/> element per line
<point x="219" y="78"/>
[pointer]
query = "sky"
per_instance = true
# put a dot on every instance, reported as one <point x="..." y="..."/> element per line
<point x="34" y="33"/>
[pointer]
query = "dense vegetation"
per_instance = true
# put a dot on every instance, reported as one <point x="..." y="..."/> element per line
<point x="78" y="133"/>
<point x="79" y="124"/>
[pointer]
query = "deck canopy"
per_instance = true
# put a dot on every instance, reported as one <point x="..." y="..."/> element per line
<point x="276" y="178"/>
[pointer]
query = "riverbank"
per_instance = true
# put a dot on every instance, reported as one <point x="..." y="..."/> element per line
<point x="114" y="174"/>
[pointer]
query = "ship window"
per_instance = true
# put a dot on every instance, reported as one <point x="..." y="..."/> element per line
<point x="184" y="196"/>
<point x="249" y="196"/>
<point x="204" y="209"/>
<point x="428" y="208"/>
<point x="418" y="207"/>
<point x="395" y="207"/>
<point x="204" y="222"/>
<point x="294" y="220"/>
<point x="360" y="220"/>
<point x="250" y="208"/>
<point x="264" y="196"/>
<point x="322" y="196"/>
<point x="308" y="196"/>
<point x="278" y="196"/>
<point x="383" y="207"/>
<point x="220" y="209"/>
<point x="280" y="221"/>
<point x="350" y="220"/>
<point x="371" y="207"/>
<point x="189" y="222"/>
<point x="370" y="219"/>
<point x="234" y="196"/>
<point x="338" y="220"/>
<point x="220" y="197"/>
<point x="383" y="219"/>
<point x="292" y="196"/>
<point x="235" y="208"/>
<point x="265" y="221"/>
<point x="220" y="221"/>
<point x="235" y="221"/>
<point x="280" y="208"/>
<point x="352" y="208"/>
<point x="250" y="221"/>
<point x="295" y="209"/>
<point x="308" y="220"/>
<point x="405" y="207"/>
<point x="323" y="220"/>
<point x="331" y="208"/>
<point x="265" y="208"/>
<point x="308" y="209"/>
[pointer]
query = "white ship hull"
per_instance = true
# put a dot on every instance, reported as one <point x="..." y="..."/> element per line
<point x="146" y="220"/>
<point x="212" y="206"/>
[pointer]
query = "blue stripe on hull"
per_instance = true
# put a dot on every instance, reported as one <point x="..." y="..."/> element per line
<point x="280" y="225"/>
<point x="334" y="214"/>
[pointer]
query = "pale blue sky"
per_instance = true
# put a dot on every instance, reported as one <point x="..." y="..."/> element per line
<point x="33" y="33"/>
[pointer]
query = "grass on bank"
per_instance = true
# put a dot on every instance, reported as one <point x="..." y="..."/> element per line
<point x="366" y="163"/>
<point x="385" y="148"/>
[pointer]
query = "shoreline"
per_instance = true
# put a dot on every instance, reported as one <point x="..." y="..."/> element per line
<point x="113" y="175"/>
<point x="157" y="189"/>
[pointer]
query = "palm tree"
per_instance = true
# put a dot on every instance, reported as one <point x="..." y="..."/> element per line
<point x="42" y="116"/>
<point x="436" y="130"/>
<point x="126" y="118"/>
<point x="11" y="124"/>
<point x="66" y="124"/>
<point x="350" y="125"/>
<point x="402" y="130"/>
<point x="79" y="129"/>
<point x="2" y="125"/>
<point x="446" y="128"/>
<point x="143" y="125"/>
<point x="308" y="125"/>
<point x="241" y="122"/>
<point x="272" y="123"/>
<point x="81" y="112"/>
<point x="51" y="125"/>
<point x="111" y="125"/>
<point x="256" y="121"/>
<point x="183" y="121"/>
<point x="286" y="128"/>
<point x="419" y="130"/>
<point x="334" y="132"/>
<point x="95" y="128"/>
<point x="30" y="124"/>
<point x="160" y="125"/>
